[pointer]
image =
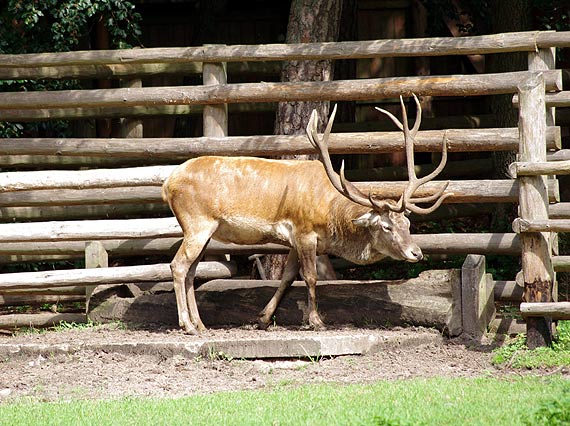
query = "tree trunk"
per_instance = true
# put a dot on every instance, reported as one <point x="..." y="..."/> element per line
<point x="309" y="21"/>
<point x="506" y="16"/>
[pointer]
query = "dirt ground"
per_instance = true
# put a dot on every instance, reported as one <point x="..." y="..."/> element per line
<point x="95" y="374"/>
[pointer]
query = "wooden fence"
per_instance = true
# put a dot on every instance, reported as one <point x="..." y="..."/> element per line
<point x="117" y="200"/>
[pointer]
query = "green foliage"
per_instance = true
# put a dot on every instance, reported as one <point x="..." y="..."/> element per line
<point x="32" y="26"/>
<point x="552" y="412"/>
<point x="516" y="354"/>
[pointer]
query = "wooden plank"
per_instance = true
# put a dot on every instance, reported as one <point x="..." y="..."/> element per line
<point x="477" y="297"/>
<point x="555" y="310"/>
<point x="115" y="275"/>
<point x="363" y="89"/>
<point x="435" y="46"/>
<point x="507" y="291"/>
<point x="458" y="140"/>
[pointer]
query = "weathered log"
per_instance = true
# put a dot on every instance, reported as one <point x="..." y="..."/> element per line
<point x="340" y="90"/>
<point x="83" y="212"/>
<point x="103" y="71"/>
<point x="458" y="140"/>
<point x="75" y="197"/>
<point x="39" y="299"/>
<point x="559" y="211"/>
<point x="504" y="244"/>
<point x="453" y="169"/>
<point x="562" y="155"/>
<point x="463" y="191"/>
<point x="561" y="263"/>
<point x="81" y="179"/>
<point x="541" y="225"/>
<point x="24" y="115"/>
<point x="539" y="168"/>
<point x="431" y="300"/>
<point x="560" y="99"/>
<point x="436" y="46"/>
<point x="554" y="310"/>
<point x="115" y="275"/>
<point x="533" y="206"/>
<point x="39" y="320"/>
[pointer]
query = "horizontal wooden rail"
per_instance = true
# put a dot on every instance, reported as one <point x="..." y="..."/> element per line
<point x="554" y="310"/>
<point x="82" y="179"/>
<point x="561" y="263"/>
<point x="562" y="155"/>
<point x="436" y="46"/>
<point x="342" y="90"/>
<point x="551" y="225"/>
<point x="81" y="212"/>
<point x="72" y="241"/>
<point x="458" y="140"/>
<point x="539" y="168"/>
<point x="97" y="71"/>
<point x="462" y="191"/>
<point x="25" y="115"/>
<point x="119" y="274"/>
<point x="560" y="99"/>
<point x="559" y="211"/>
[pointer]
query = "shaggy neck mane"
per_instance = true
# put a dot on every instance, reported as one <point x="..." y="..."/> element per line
<point x="346" y="239"/>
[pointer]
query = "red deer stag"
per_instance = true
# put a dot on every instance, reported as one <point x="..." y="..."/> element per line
<point x="304" y="205"/>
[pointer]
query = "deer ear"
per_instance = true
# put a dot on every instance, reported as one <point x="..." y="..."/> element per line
<point x="368" y="219"/>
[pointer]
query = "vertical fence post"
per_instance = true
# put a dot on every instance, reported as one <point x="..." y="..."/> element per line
<point x="215" y="116"/>
<point x="95" y="257"/>
<point x="545" y="59"/>
<point x="533" y="205"/>
<point x="131" y="127"/>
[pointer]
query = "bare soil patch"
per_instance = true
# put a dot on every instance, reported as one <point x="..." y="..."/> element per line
<point x="96" y="374"/>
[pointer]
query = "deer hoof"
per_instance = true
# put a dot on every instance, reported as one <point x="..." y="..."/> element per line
<point x="316" y="323"/>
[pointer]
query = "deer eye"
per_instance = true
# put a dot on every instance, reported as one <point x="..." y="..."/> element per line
<point x="386" y="227"/>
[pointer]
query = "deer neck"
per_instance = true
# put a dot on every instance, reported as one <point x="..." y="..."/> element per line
<point x="347" y="240"/>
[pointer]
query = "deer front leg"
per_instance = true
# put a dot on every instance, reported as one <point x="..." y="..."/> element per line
<point x="289" y="274"/>
<point x="308" y="260"/>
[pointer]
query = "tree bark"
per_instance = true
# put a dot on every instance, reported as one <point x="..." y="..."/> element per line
<point x="309" y="21"/>
<point x="506" y="16"/>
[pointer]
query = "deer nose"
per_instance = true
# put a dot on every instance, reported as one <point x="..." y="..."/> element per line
<point x="416" y="254"/>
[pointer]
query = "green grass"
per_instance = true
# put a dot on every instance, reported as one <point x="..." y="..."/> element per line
<point x="483" y="401"/>
<point x="515" y="353"/>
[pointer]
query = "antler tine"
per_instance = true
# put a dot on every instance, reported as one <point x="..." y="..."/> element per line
<point x="406" y="200"/>
<point x="418" y="121"/>
<point x="342" y="185"/>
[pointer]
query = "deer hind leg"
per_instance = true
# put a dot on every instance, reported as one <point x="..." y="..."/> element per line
<point x="183" y="268"/>
<point x="289" y="274"/>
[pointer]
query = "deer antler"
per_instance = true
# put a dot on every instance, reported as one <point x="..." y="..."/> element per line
<point x="406" y="201"/>
<point x="342" y="185"/>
